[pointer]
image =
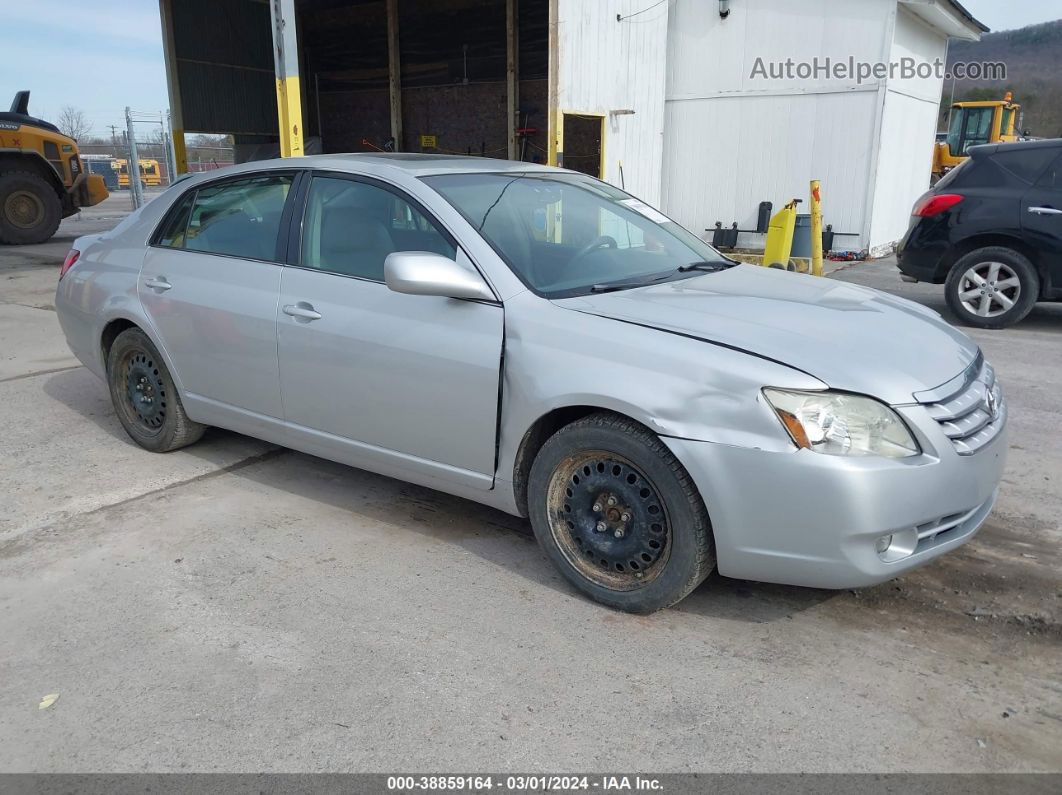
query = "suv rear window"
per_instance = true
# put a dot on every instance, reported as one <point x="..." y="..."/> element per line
<point x="1026" y="163"/>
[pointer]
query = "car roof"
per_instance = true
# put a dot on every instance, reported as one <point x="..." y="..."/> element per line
<point x="988" y="149"/>
<point x="411" y="163"/>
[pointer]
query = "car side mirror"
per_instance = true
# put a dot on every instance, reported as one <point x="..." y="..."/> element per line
<point x="428" y="273"/>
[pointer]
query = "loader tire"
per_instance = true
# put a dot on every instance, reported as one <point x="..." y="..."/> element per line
<point x="30" y="210"/>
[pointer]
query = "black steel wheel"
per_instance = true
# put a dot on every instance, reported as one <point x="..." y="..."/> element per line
<point x="608" y="520"/>
<point x="619" y="515"/>
<point x="144" y="396"/>
<point x="145" y="391"/>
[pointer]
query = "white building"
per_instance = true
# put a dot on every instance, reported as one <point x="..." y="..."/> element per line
<point x="666" y="98"/>
<point x="711" y="137"/>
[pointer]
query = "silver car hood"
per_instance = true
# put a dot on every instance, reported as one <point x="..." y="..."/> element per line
<point x="851" y="338"/>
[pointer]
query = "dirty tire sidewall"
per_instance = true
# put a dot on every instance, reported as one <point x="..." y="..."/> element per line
<point x="692" y="553"/>
<point x="28" y="182"/>
<point x="1017" y="262"/>
<point x="177" y="430"/>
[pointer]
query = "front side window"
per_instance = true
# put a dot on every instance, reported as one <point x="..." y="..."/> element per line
<point x="978" y="127"/>
<point x="239" y="218"/>
<point x="350" y="227"/>
<point x="567" y="234"/>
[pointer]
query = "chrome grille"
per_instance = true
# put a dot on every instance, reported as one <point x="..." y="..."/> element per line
<point x="972" y="417"/>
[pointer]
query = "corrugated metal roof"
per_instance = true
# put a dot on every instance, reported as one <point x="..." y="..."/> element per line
<point x="224" y="51"/>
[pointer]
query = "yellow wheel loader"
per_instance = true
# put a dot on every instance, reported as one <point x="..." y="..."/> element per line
<point x="42" y="179"/>
<point x="972" y="124"/>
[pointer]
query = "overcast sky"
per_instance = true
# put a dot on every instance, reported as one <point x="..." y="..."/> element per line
<point x="98" y="56"/>
<point x="1010" y="14"/>
<point x="106" y="54"/>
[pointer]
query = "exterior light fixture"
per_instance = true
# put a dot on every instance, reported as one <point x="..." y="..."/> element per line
<point x="724" y="9"/>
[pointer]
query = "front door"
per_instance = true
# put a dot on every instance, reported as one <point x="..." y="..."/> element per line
<point x="209" y="285"/>
<point x="384" y="380"/>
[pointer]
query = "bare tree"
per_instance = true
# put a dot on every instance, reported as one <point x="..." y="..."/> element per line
<point x="73" y="122"/>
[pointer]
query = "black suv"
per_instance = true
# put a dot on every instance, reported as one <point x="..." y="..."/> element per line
<point x="991" y="232"/>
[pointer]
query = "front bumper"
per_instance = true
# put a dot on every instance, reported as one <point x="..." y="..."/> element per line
<point x="804" y="518"/>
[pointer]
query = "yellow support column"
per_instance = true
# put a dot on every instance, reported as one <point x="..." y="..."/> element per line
<point x="286" y="63"/>
<point x="816" y="229"/>
<point x="169" y="52"/>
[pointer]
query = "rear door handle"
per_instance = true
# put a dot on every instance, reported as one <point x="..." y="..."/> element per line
<point x="302" y="310"/>
<point x="1045" y="211"/>
<point x="159" y="284"/>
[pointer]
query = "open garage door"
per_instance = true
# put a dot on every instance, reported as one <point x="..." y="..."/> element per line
<point x="461" y="67"/>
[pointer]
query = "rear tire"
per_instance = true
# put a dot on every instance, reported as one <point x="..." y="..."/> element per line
<point x="992" y="287"/>
<point x="30" y="210"/>
<point x="619" y="515"/>
<point x="144" y="396"/>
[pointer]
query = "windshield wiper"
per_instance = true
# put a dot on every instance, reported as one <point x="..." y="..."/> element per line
<point x="704" y="265"/>
<point x="609" y="287"/>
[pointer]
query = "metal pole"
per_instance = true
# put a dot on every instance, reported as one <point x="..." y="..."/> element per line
<point x="816" y="229"/>
<point x="394" y="73"/>
<point x="512" y="75"/>
<point x="133" y="166"/>
<point x="167" y="134"/>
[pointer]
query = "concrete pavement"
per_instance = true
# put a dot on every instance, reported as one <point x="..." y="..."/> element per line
<point x="238" y="607"/>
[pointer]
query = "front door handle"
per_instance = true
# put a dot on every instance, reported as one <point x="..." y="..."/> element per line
<point x="159" y="284"/>
<point x="302" y="311"/>
<point x="1045" y="211"/>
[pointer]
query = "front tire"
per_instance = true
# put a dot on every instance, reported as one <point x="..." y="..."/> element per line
<point x="619" y="515"/>
<point x="992" y="287"/>
<point x="145" y="397"/>
<point x="30" y="210"/>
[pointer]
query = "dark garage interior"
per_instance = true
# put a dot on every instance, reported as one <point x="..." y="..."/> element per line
<point x="452" y="88"/>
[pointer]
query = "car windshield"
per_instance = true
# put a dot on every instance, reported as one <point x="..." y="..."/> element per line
<point x="569" y="234"/>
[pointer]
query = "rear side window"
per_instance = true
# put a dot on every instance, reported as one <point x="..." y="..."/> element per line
<point x="1025" y="163"/>
<point x="239" y="218"/>
<point x="171" y="234"/>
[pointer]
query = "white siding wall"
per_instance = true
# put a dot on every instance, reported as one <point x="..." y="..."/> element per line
<point x="606" y="65"/>
<point x="908" y="123"/>
<point x="732" y="141"/>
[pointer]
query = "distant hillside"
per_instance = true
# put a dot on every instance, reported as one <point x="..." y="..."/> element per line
<point x="1032" y="56"/>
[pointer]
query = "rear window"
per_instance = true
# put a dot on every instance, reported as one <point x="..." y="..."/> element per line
<point x="1026" y="163"/>
<point x="240" y="218"/>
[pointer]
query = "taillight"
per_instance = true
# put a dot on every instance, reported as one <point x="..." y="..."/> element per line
<point x="932" y="206"/>
<point x="68" y="263"/>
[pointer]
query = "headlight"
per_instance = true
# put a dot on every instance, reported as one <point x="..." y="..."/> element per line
<point x="836" y="423"/>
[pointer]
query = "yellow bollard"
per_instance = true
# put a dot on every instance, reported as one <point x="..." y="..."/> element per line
<point x="816" y="229"/>
<point x="780" y="237"/>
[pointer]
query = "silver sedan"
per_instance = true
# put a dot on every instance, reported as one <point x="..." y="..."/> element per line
<point x="542" y="342"/>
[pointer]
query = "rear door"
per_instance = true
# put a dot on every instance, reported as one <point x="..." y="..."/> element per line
<point x="209" y="285"/>
<point x="389" y="381"/>
<point x="1041" y="219"/>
